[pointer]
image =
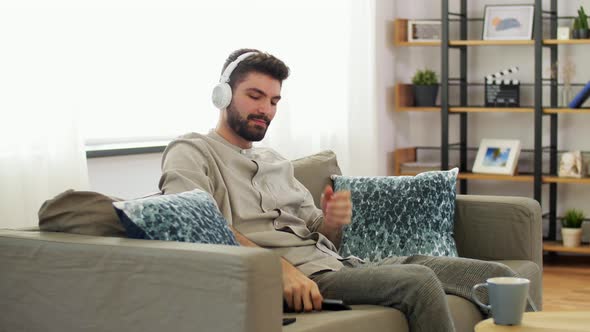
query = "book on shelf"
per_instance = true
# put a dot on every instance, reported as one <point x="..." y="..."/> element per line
<point x="581" y="97"/>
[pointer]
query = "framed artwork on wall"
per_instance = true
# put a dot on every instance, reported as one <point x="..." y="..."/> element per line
<point x="508" y="22"/>
<point x="497" y="156"/>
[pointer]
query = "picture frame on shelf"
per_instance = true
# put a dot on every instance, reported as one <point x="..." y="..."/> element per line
<point x="571" y="165"/>
<point x="497" y="156"/>
<point x="424" y="30"/>
<point x="563" y="33"/>
<point x="508" y="22"/>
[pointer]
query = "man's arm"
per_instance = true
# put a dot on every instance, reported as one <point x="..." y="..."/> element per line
<point x="184" y="168"/>
<point x="333" y="234"/>
<point x="300" y="292"/>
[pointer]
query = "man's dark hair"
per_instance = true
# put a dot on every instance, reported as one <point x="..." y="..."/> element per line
<point x="260" y="62"/>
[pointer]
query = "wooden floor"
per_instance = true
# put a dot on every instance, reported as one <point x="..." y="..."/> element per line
<point x="566" y="283"/>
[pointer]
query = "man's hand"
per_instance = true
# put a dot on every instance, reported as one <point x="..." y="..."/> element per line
<point x="337" y="208"/>
<point x="300" y="292"/>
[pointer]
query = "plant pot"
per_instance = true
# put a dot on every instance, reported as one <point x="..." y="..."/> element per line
<point x="581" y="34"/>
<point x="425" y="95"/>
<point x="572" y="237"/>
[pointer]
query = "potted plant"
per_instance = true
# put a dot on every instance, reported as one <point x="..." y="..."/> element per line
<point x="580" y="30"/>
<point x="425" y="87"/>
<point x="571" y="230"/>
<point x="576" y="29"/>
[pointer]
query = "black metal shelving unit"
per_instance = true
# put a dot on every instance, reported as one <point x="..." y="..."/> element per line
<point x="544" y="173"/>
<point x="538" y="150"/>
<point x="445" y="83"/>
<point x="552" y="13"/>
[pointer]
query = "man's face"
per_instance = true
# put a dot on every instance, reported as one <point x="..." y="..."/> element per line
<point x="253" y="106"/>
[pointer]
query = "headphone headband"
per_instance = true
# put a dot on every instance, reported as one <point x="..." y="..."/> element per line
<point x="230" y="68"/>
<point x="222" y="94"/>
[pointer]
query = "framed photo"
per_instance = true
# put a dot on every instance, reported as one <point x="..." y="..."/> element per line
<point x="571" y="165"/>
<point x="508" y="22"/>
<point x="563" y="33"/>
<point x="424" y="30"/>
<point x="497" y="156"/>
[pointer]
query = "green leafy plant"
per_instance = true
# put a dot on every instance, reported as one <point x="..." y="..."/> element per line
<point x="576" y="24"/>
<point x="425" y="77"/>
<point x="583" y="18"/>
<point x="573" y="218"/>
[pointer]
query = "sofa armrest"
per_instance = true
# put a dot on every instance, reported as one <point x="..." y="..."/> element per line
<point x="499" y="228"/>
<point x="67" y="282"/>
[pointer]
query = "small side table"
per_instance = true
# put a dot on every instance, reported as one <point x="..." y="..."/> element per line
<point x="573" y="321"/>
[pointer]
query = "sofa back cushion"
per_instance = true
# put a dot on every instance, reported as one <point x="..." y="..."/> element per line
<point x="400" y="215"/>
<point x="190" y="216"/>
<point x="315" y="172"/>
<point x="92" y="213"/>
<point x="81" y="212"/>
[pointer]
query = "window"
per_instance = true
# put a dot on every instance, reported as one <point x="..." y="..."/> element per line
<point x="142" y="70"/>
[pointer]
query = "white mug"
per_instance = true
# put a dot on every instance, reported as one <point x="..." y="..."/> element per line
<point x="507" y="297"/>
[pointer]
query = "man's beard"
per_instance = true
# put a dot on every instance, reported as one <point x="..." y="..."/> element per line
<point x="252" y="133"/>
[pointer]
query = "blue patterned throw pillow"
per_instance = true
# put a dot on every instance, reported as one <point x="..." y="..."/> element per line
<point x="190" y="216"/>
<point x="400" y="215"/>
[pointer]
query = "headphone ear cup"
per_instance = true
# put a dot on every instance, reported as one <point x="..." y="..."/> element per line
<point x="221" y="95"/>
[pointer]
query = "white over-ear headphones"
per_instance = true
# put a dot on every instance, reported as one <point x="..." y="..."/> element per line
<point x="222" y="91"/>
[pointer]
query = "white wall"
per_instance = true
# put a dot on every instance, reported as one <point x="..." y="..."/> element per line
<point x="385" y="78"/>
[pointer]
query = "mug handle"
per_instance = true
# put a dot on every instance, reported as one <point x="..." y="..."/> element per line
<point x="476" y="300"/>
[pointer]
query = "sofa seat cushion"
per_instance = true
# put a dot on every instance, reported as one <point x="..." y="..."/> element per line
<point x="465" y="313"/>
<point x="360" y="318"/>
<point x="376" y="318"/>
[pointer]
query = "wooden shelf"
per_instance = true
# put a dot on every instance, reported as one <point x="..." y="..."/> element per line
<point x="490" y="42"/>
<point x="417" y="109"/>
<point x="403" y="95"/>
<point x="400" y="35"/>
<point x="556" y="179"/>
<point x="496" y="177"/>
<point x="554" y="246"/>
<point x="404" y="155"/>
<point x="515" y="178"/>
<point x="399" y="108"/>
<point x="404" y="102"/>
<point x="417" y="43"/>
<point x="567" y="110"/>
<point x="401" y="156"/>
<point x="566" y="41"/>
<point x="491" y="110"/>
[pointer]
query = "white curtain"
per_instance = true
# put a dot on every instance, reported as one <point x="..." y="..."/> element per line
<point x="41" y="153"/>
<point x="330" y="100"/>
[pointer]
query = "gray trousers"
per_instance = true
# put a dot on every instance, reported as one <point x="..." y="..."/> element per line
<point x="415" y="285"/>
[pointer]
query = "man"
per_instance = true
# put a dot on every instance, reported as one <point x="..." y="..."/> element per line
<point x="266" y="206"/>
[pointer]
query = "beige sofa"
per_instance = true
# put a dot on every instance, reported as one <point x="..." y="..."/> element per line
<point x="52" y="281"/>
